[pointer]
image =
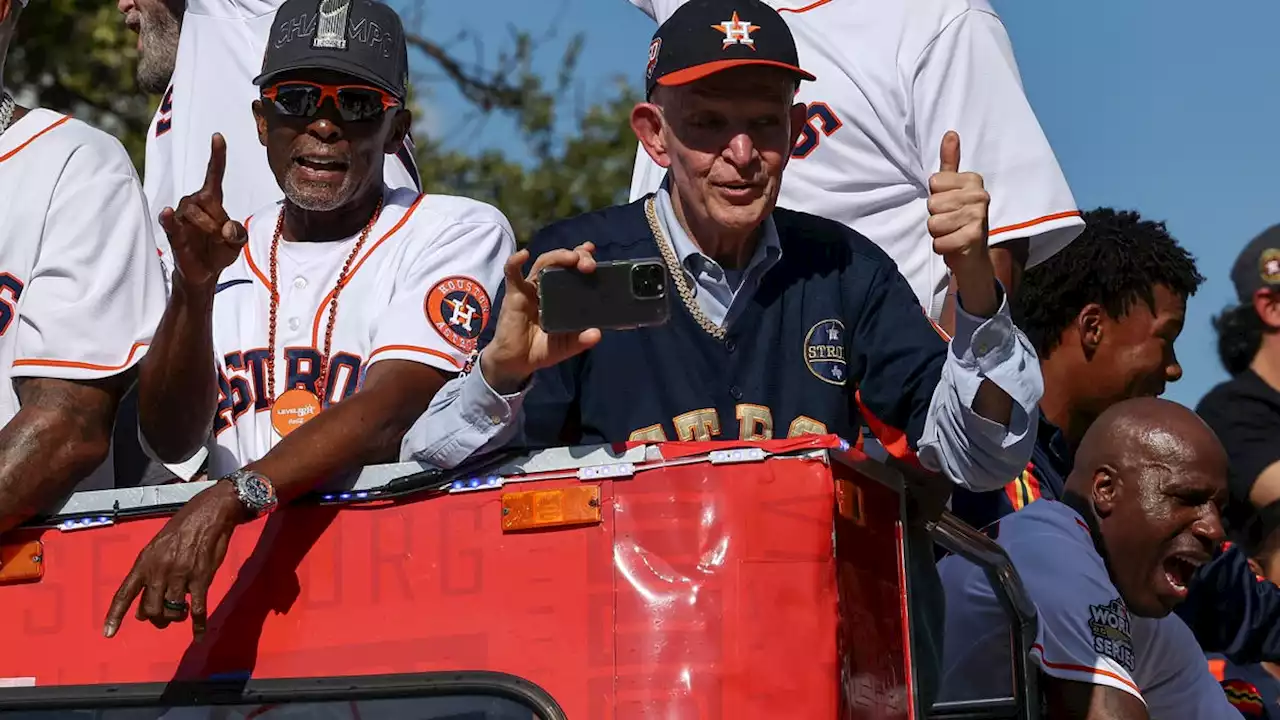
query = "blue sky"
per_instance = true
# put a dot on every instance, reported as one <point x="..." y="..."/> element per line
<point x="1168" y="108"/>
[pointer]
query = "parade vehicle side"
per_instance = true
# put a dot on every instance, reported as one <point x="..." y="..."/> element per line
<point x="678" y="580"/>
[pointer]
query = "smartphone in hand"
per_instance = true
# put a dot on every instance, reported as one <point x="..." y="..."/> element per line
<point x="619" y="295"/>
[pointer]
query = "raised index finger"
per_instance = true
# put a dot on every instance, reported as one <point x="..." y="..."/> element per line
<point x="949" y="155"/>
<point x="217" y="166"/>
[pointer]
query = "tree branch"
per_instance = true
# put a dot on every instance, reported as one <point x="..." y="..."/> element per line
<point x="488" y="93"/>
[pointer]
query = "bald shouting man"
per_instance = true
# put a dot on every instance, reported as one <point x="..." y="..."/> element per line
<point x="1105" y="567"/>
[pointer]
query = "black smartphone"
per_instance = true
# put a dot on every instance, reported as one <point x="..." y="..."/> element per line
<point x="619" y="295"/>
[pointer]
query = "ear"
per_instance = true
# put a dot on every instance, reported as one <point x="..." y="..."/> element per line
<point x="259" y="118"/>
<point x="799" y="118"/>
<point x="1089" y="325"/>
<point x="1107" y="488"/>
<point x="647" y="122"/>
<point x="1266" y="302"/>
<point x="401" y="121"/>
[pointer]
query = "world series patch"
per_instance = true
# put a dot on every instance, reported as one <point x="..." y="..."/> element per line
<point x="1111" y="635"/>
<point x="458" y="308"/>
<point x="824" y="351"/>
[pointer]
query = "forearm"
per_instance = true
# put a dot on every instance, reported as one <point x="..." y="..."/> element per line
<point x="990" y="401"/>
<point x="178" y="390"/>
<point x="960" y="437"/>
<point x="365" y="429"/>
<point x="1009" y="259"/>
<point x="459" y="424"/>
<point x="61" y="434"/>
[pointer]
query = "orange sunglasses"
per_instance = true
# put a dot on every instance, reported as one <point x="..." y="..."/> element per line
<point x="297" y="98"/>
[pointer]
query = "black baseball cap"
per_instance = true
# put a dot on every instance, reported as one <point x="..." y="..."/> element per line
<point x="1258" y="265"/>
<point x="361" y="38"/>
<point x="707" y="36"/>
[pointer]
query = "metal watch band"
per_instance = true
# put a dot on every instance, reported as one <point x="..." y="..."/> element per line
<point x="254" y="490"/>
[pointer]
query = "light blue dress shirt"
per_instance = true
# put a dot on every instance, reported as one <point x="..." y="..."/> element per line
<point x="468" y="418"/>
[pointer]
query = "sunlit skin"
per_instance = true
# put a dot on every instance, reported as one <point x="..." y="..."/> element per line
<point x="1103" y="360"/>
<point x="158" y="24"/>
<point x="1150" y="479"/>
<point x="725" y="139"/>
<point x="329" y="167"/>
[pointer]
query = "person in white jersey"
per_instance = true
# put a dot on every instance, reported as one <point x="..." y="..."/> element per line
<point x="201" y="57"/>
<point x="893" y="76"/>
<point x="81" y="292"/>
<point x="1105" y="567"/>
<point x="300" y="346"/>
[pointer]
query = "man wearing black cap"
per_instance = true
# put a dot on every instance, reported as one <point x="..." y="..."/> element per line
<point x="301" y="345"/>
<point x="1245" y="410"/>
<point x="786" y="324"/>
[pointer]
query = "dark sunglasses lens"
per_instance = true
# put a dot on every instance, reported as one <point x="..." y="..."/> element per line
<point x="359" y="104"/>
<point x="297" y="100"/>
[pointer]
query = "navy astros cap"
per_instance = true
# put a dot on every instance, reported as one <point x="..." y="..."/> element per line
<point x="707" y="36"/>
<point x="361" y="38"/>
<point x="1258" y="265"/>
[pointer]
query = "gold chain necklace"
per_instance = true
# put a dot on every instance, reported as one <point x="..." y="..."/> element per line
<point x="677" y="272"/>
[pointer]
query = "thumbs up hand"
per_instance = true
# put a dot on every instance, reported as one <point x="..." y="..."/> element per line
<point x="958" y="207"/>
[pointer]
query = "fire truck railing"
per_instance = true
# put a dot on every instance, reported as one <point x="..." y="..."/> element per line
<point x="960" y="539"/>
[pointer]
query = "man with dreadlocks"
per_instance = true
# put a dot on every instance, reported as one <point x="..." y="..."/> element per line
<point x="1103" y="315"/>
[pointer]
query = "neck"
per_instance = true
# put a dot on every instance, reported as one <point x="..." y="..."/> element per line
<point x="730" y="248"/>
<point x="1081" y="505"/>
<point x="329" y="225"/>
<point x="1266" y="363"/>
<point x="1061" y="403"/>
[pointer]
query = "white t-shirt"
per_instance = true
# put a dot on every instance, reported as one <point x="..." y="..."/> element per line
<point x="1084" y="632"/>
<point x="420" y="289"/>
<point x="81" y="285"/>
<point x="219" y="54"/>
<point x="893" y="78"/>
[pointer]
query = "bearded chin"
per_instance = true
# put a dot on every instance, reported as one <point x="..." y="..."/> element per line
<point x="159" y="55"/>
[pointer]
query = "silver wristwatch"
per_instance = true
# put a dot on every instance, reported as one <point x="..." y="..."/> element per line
<point x="254" y="490"/>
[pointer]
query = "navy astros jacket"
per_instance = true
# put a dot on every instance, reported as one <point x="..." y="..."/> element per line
<point x="832" y="317"/>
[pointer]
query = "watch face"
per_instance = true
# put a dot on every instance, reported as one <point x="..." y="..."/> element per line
<point x="255" y="492"/>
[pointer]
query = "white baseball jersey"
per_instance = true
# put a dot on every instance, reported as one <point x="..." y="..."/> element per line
<point x="420" y="289"/>
<point x="219" y="53"/>
<point x="81" y="286"/>
<point x="1084" y="631"/>
<point x="893" y="78"/>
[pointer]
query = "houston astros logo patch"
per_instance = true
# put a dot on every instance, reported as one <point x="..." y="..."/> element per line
<point x="1269" y="266"/>
<point x="458" y="308"/>
<point x="737" y="32"/>
<point x="824" y="351"/>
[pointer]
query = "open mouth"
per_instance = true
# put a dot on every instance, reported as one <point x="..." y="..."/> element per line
<point x="1178" y="570"/>
<point x="321" y="167"/>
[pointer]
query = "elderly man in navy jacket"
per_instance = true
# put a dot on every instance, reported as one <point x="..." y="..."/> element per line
<point x="786" y="324"/>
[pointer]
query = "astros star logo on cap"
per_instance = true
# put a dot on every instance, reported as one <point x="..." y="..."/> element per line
<point x="737" y="32"/>
<point x="1269" y="265"/>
